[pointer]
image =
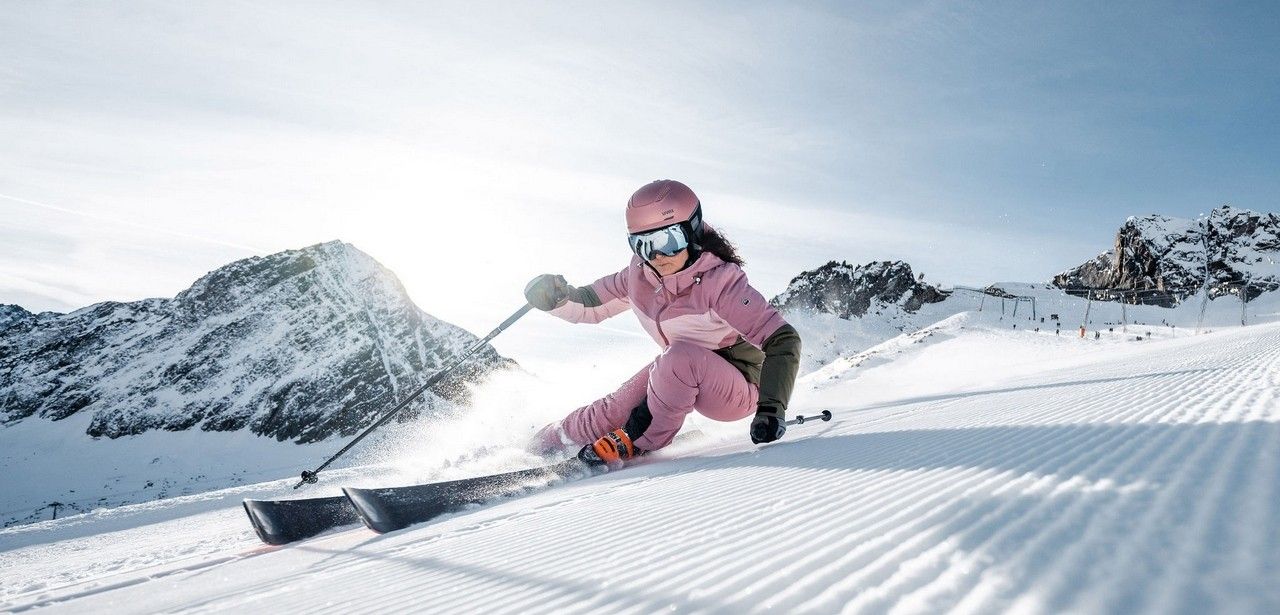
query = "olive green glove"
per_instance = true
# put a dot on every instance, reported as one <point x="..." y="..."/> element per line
<point x="547" y="291"/>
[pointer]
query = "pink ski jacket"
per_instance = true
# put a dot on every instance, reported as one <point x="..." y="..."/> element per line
<point x="709" y="304"/>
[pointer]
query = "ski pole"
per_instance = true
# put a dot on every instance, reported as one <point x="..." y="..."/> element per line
<point x="799" y="420"/>
<point x="312" y="476"/>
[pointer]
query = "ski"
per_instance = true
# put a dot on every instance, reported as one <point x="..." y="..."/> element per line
<point x="279" y="522"/>
<point x="392" y="508"/>
<point x="387" y="509"/>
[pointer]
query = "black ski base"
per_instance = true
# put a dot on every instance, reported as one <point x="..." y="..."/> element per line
<point x="279" y="522"/>
<point x="393" y="508"/>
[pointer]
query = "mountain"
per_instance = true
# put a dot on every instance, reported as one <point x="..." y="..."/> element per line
<point x="12" y="314"/>
<point x="846" y="291"/>
<point x="1165" y="259"/>
<point x="300" y="345"/>
<point x="840" y="309"/>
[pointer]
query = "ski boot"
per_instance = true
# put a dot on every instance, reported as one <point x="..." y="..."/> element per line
<point x="612" y="449"/>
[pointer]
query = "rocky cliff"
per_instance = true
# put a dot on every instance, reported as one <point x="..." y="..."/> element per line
<point x="850" y="292"/>
<point x="299" y="345"/>
<point x="1164" y="260"/>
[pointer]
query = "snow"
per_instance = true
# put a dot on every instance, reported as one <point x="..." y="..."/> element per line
<point x="49" y="461"/>
<point x="971" y="467"/>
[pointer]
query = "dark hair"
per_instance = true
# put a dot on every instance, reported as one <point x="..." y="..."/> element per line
<point x="712" y="241"/>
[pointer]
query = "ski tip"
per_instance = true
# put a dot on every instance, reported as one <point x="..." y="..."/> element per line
<point x="260" y="519"/>
<point x="369" y="506"/>
<point x="280" y="522"/>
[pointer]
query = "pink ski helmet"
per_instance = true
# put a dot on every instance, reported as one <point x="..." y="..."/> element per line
<point x="663" y="203"/>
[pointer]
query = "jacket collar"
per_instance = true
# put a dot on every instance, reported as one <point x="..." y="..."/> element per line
<point x="682" y="280"/>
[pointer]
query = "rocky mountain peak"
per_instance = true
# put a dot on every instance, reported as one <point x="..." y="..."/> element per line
<point x="1168" y="259"/>
<point x="849" y="292"/>
<point x="12" y="314"/>
<point x="299" y="345"/>
<point x="222" y="289"/>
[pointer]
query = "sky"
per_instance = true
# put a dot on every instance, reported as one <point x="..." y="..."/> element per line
<point x="469" y="146"/>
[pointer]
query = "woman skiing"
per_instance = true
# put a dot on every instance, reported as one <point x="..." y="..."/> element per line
<point x="726" y="352"/>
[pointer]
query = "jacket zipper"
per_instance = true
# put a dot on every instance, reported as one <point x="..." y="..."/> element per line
<point x="657" y="320"/>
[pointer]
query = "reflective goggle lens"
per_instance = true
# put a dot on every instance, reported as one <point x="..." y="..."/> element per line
<point x="668" y="241"/>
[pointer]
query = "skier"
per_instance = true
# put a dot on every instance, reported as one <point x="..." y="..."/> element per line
<point x="726" y="352"/>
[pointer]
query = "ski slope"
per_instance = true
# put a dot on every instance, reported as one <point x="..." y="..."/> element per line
<point x="970" y="468"/>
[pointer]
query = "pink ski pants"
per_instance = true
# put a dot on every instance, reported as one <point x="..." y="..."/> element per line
<point x="685" y="377"/>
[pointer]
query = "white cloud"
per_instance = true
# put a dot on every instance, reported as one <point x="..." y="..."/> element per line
<point x="471" y="145"/>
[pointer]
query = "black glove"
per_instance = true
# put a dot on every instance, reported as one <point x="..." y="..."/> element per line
<point x="766" y="427"/>
<point x="546" y="291"/>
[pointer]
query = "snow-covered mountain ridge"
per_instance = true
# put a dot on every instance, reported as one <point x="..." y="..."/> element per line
<point x="844" y="313"/>
<point x="1172" y="255"/>
<point x="847" y="291"/>
<point x="840" y="309"/>
<point x="299" y="345"/>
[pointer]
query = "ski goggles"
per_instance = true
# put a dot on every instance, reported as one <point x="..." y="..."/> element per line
<point x="668" y="241"/>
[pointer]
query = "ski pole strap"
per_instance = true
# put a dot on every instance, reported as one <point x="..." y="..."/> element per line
<point x="312" y="475"/>
<point x="800" y="420"/>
